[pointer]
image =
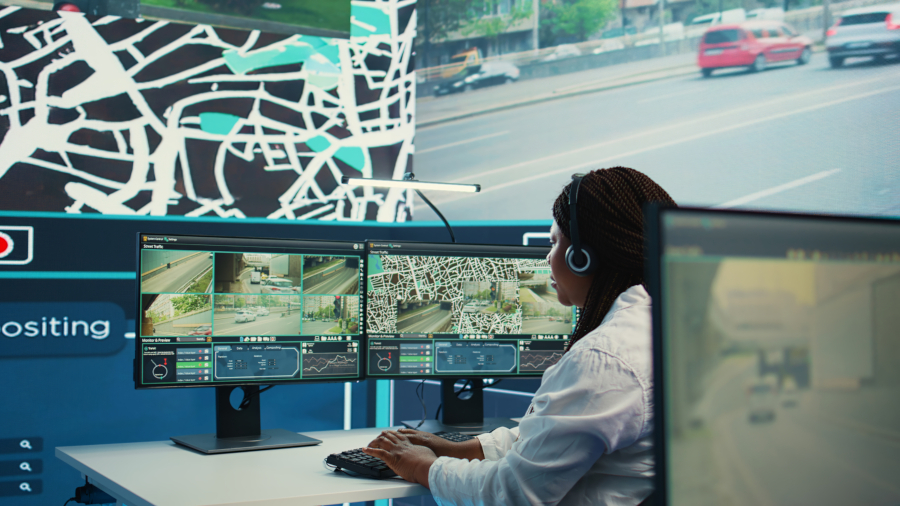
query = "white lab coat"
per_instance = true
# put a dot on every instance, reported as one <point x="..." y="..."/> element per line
<point x="588" y="438"/>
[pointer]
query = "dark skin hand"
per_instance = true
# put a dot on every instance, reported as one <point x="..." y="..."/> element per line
<point x="441" y="447"/>
<point x="411" y="462"/>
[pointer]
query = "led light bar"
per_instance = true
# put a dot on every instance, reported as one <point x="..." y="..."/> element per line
<point x="414" y="185"/>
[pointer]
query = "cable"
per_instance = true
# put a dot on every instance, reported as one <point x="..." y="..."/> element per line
<point x="249" y="398"/>
<point x="441" y="216"/>
<point x="421" y="396"/>
<point x="70" y="500"/>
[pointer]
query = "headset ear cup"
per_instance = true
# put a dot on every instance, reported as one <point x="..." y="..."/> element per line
<point x="588" y="261"/>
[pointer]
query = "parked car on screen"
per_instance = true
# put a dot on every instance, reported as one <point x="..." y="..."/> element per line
<point x="562" y="52"/>
<point x="461" y="63"/>
<point x="487" y="74"/>
<point x="867" y="31"/>
<point x="262" y="311"/>
<point x="278" y="286"/>
<point x="244" y="315"/>
<point x="671" y="31"/>
<point x="202" y="330"/>
<point x="609" y="45"/>
<point x="754" y="44"/>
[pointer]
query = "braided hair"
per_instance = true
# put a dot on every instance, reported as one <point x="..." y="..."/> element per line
<point x="611" y="221"/>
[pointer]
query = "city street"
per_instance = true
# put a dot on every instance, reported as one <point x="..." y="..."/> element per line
<point x="272" y="325"/>
<point x="178" y="278"/>
<point x="318" y="327"/>
<point x="340" y="281"/>
<point x="543" y="325"/>
<point x="840" y="444"/>
<point x="792" y="137"/>
<point x="437" y="321"/>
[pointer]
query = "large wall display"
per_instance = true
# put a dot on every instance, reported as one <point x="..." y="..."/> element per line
<point x="154" y="118"/>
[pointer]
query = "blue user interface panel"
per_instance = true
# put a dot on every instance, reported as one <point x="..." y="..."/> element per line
<point x="216" y="310"/>
<point x="462" y="310"/>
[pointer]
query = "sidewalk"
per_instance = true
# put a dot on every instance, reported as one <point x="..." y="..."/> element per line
<point x="432" y="111"/>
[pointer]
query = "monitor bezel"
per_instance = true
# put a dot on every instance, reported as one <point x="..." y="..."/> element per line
<point x="137" y="357"/>
<point x="654" y="214"/>
<point x="449" y="246"/>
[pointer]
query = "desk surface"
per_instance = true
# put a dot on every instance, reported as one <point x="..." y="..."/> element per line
<point x="163" y="473"/>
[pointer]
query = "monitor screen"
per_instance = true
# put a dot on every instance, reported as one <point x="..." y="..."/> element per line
<point x="241" y="311"/>
<point x="462" y="310"/>
<point x="777" y="358"/>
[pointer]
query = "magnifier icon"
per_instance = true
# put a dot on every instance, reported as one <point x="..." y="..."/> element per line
<point x="25" y="466"/>
<point x="24" y="487"/>
<point x="25" y="444"/>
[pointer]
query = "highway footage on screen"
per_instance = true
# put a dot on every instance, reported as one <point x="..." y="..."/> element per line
<point x="212" y="316"/>
<point x="781" y="372"/>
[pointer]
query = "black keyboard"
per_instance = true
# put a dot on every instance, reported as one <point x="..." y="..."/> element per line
<point x="373" y="467"/>
<point x="456" y="437"/>
<point x="360" y="463"/>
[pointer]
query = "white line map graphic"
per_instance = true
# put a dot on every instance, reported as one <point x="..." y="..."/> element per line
<point x="441" y="279"/>
<point x="159" y="118"/>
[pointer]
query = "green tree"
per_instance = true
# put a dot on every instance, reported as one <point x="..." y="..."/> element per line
<point x="574" y="19"/>
<point x="190" y="303"/>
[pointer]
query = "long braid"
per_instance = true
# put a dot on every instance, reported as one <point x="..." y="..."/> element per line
<point x="611" y="222"/>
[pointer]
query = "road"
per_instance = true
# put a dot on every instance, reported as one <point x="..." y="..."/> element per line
<point x="544" y="326"/>
<point x="833" y="448"/>
<point x="437" y="321"/>
<point x="177" y="279"/>
<point x="341" y="281"/>
<point x="272" y="325"/>
<point x="806" y="138"/>
<point x="318" y="327"/>
<point x="169" y="328"/>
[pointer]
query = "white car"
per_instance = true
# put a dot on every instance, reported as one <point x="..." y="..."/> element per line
<point x="762" y="397"/>
<point x="563" y="51"/>
<point x="278" y="286"/>
<point x="244" y="315"/>
<point x="262" y="311"/>
<point x="255" y="277"/>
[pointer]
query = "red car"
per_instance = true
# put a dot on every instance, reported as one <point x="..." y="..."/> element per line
<point x="753" y="44"/>
<point x="202" y="330"/>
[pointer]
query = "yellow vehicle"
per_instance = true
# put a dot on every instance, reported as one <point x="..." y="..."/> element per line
<point x="461" y="62"/>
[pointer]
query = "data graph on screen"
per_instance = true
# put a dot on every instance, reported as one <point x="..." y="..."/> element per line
<point x="330" y="364"/>
<point x="538" y="360"/>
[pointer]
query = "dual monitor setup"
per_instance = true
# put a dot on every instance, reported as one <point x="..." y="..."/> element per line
<point x="231" y="311"/>
<point x="776" y="339"/>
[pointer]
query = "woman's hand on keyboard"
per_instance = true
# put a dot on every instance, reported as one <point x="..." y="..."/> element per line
<point x="443" y="448"/>
<point x="410" y="461"/>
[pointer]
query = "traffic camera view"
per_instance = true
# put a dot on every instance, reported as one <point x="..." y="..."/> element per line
<point x="176" y="271"/>
<point x="771" y="107"/>
<point x="783" y="382"/>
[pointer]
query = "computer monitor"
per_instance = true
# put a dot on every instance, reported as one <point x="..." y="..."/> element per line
<point x="229" y="312"/>
<point x="777" y="344"/>
<point x="461" y="311"/>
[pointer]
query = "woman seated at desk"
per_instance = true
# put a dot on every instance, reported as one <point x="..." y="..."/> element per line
<point x="587" y="437"/>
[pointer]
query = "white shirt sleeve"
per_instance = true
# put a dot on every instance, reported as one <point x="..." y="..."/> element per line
<point x="495" y="444"/>
<point x="589" y="404"/>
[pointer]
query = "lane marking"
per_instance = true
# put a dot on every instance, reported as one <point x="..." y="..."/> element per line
<point x="670" y="95"/>
<point x="459" y="143"/>
<point x="776" y="189"/>
<point x="689" y="138"/>
<point x="680" y="126"/>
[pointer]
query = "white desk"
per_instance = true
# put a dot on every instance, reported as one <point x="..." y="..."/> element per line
<point x="163" y="473"/>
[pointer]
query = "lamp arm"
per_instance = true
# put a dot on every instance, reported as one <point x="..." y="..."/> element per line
<point x="441" y="216"/>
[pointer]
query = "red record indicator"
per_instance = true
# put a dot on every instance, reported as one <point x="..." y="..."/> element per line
<point x="6" y="245"/>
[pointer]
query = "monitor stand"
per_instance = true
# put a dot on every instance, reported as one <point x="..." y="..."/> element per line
<point x="463" y="415"/>
<point x="239" y="430"/>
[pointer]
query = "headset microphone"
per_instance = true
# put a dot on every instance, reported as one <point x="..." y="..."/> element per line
<point x="580" y="259"/>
